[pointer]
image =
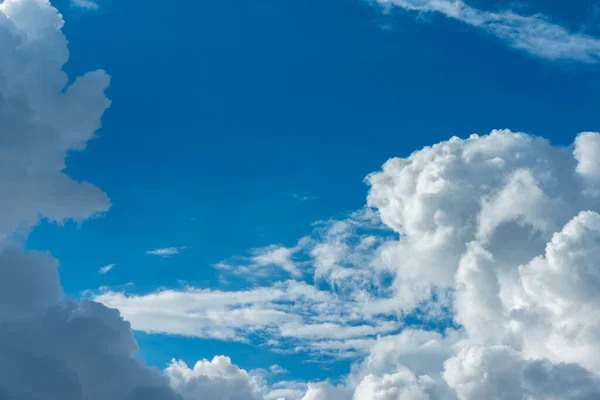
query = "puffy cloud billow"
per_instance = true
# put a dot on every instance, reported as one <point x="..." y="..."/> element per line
<point x="51" y="347"/>
<point x="490" y="243"/>
<point x="496" y="238"/>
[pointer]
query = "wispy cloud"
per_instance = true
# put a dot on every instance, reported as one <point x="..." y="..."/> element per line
<point x="532" y="33"/>
<point x="263" y="260"/>
<point x="87" y="4"/>
<point x="166" y="252"/>
<point x="293" y="313"/>
<point x="104" y="270"/>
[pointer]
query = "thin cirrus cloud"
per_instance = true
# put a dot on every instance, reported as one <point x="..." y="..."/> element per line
<point x="262" y="261"/>
<point x="106" y="269"/>
<point x="535" y="34"/>
<point x="85" y="4"/>
<point x="166" y="252"/>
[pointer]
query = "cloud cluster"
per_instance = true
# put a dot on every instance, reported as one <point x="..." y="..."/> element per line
<point x="216" y="379"/>
<point x="534" y="34"/>
<point x="471" y="273"/>
<point x="51" y="347"/>
<point x="483" y="284"/>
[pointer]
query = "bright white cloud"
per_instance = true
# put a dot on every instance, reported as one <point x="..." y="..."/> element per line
<point x="106" y="269"/>
<point x="498" y="233"/>
<point x="216" y="379"/>
<point x="287" y="311"/>
<point x="535" y="34"/>
<point x="166" y="252"/>
<point x="266" y="262"/>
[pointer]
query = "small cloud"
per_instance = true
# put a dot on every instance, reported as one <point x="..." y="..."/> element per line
<point x="304" y="197"/>
<point x="87" y="4"/>
<point x="276" y="369"/>
<point x="166" y="252"/>
<point x="104" y="270"/>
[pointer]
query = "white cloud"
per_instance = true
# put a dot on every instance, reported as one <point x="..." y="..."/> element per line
<point x="106" y="269"/>
<point x="498" y="372"/>
<point x="166" y="252"/>
<point x="278" y="256"/>
<point x="87" y="4"/>
<point x="52" y="347"/>
<point x="41" y="123"/>
<point x="497" y="235"/>
<point x="532" y="33"/>
<point x="326" y="391"/>
<point x="293" y="312"/>
<point x="266" y="261"/>
<point x="401" y="385"/>
<point x="217" y="379"/>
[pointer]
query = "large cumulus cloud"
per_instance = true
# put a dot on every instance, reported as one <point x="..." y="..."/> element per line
<point x="51" y="347"/>
<point x="495" y="237"/>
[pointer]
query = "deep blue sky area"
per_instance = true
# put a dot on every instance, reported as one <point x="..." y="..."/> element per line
<point x="225" y="112"/>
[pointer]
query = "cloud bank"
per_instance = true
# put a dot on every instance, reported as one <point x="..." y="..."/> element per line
<point x="471" y="273"/>
<point x="51" y="347"/>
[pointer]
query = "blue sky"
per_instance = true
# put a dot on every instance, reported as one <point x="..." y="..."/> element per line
<point x="237" y="125"/>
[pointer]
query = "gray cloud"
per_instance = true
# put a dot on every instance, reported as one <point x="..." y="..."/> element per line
<point x="51" y="347"/>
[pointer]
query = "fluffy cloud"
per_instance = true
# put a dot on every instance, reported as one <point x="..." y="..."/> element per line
<point x="51" y="347"/>
<point x="498" y="372"/>
<point x="326" y="391"/>
<point x="532" y="33"/>
<point x="41" y="122"/>
<point x="216" y="379"/>
<point x="496" y="236"/>
<point x="472" y="272"/>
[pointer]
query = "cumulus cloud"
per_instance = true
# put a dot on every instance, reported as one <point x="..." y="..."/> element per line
<point x="52" y="347"/>
<point x="498" y="372"/>
<point x="216" y="379"/>
<point x="535" y="34"/>
<point x="41" y="122"/>
<point x="472" y="273"/>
